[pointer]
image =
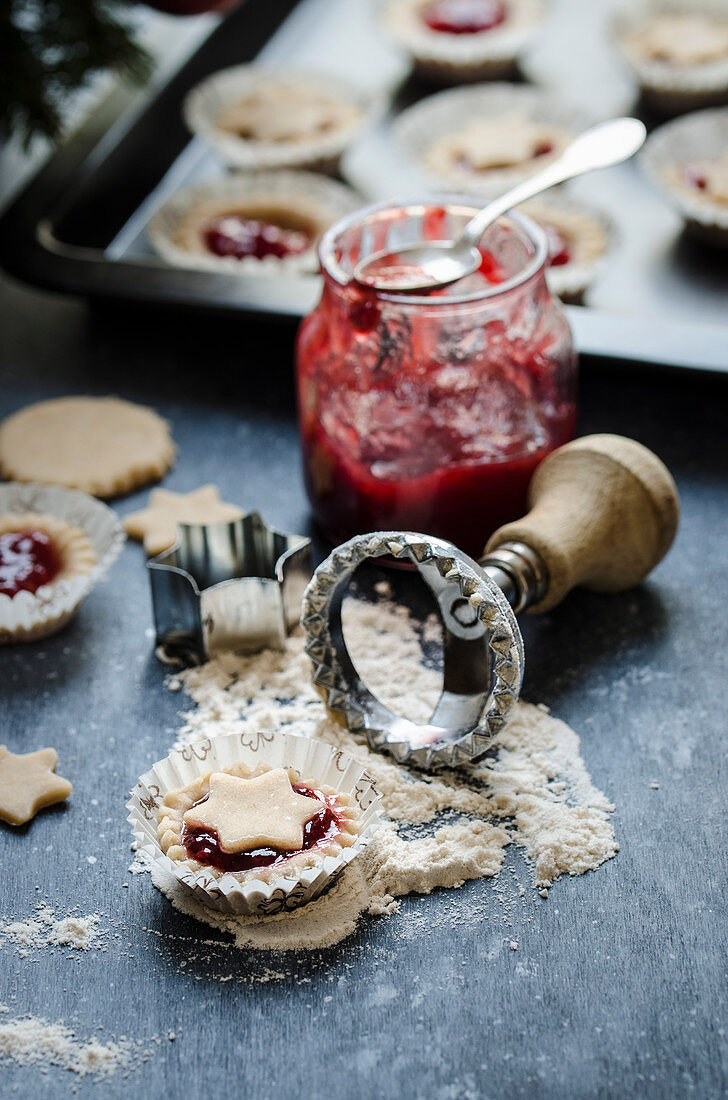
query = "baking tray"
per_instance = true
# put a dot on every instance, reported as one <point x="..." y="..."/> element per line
<point x="79" y="227"/>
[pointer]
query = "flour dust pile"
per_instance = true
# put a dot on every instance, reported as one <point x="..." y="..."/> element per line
<point x="44" y="929"/>
<point x="532" y="790"/>
<point x="33" y="1041"/>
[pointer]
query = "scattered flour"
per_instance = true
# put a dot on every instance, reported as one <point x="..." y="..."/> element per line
<point x="532" y="790"/>
<point x="44" y="930"/>
<point x="29" y="1040"/>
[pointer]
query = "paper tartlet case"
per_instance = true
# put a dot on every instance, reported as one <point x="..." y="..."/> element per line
<point x="31" y="615"/>
<point x="229" y="893"/>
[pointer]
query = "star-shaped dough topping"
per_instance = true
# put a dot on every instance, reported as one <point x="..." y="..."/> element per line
<point x="264" y="812"/>
<point x="28" y="783"/>
<point x="156" y="524"/>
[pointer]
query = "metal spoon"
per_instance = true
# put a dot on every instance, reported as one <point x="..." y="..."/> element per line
<point x="421" y="267"/>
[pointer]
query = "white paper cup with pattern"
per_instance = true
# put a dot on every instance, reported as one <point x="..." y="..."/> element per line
<point x="287" y="884"/>
<point x="28" y="616"/>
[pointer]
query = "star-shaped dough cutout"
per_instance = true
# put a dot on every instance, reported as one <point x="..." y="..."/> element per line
<point x="156" y="524"/>
<point x="28" y="783"/>
<point x="264" y="812"/>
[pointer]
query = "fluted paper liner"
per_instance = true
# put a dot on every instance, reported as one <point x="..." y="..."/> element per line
<point x="229" y="892"/>
<point x="30" y="615"/>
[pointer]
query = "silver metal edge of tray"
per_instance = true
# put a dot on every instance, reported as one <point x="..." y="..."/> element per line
<point x="30" y="251"/>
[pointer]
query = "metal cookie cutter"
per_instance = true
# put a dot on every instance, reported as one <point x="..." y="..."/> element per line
<point x="604" y="512"/>
<point x="227" y="586"/>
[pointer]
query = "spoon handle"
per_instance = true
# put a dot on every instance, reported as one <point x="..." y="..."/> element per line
<point x="599" y="147"/>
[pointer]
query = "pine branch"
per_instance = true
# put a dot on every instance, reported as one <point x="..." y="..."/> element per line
<point x="52" y="48"/>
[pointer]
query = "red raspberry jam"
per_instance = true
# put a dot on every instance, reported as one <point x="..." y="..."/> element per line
<point x="237" y="236"/>
<point x="28" y="560"/>
<point x="490" y="269"/>
<point x="694" y="178"/>
<point x="464" y="16"/>
<point x="559" y="251"/>
<point x="204" y="846"/>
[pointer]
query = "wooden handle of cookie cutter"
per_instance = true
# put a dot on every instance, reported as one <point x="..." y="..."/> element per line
<point x="603" y="512"/>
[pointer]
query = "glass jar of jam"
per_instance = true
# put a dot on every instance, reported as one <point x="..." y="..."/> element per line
<point x="430" y="412"/>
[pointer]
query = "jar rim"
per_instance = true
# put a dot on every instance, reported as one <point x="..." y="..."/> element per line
<point x="330" y="265"/>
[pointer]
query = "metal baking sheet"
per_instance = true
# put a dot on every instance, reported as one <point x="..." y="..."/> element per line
<point x="80" y="226"/>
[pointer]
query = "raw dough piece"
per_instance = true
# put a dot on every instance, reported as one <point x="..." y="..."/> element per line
<point x="102" y="445"/>
<point x="156" y="524"/>
<point x="264" y="812"/>
<point x="28" y="783"/>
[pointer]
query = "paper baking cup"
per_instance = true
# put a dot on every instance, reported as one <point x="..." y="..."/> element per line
<point x="250" y="896"/>
<point x="454" y="58"/>
<point x="674" y="88"/>
<point x="207" y="100"/>
<point x="30" y="615"/>
<point x="697" y="136"/>
<point x="441" y="114"/>
<point x="315" y="197"/>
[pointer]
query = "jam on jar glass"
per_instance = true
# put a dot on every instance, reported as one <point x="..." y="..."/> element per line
<point x="430" y="412"/>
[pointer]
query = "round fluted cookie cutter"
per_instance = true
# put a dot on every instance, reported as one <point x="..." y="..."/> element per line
<point x="603" y="512"/>
<point x="483" y="651"/>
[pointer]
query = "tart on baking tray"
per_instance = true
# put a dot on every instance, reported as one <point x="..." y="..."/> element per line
<point x="260" y="118"/>
<point x="678" y="53"/>
<point x="252" y="222"/>
<point x="463" y="40"/>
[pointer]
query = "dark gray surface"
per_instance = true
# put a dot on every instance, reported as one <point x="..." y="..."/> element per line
<point x="618" y="986"/>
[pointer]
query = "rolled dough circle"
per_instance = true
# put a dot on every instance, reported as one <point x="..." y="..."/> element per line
<point x="104" y="446"/>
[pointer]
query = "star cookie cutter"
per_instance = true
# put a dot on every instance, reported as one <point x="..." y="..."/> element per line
<point x="482" y="648"/>
<point x="236" y="585"/>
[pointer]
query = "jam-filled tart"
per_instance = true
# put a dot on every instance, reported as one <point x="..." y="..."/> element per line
<point x="255" y="822"/>
<point x="254" y="222"/>
<point x="688" y="160"/>
<point x="55" y="544"/>
<point x="261" y="118"/>
<point x="678" y="52"/>
<point x="463" y="40"/>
